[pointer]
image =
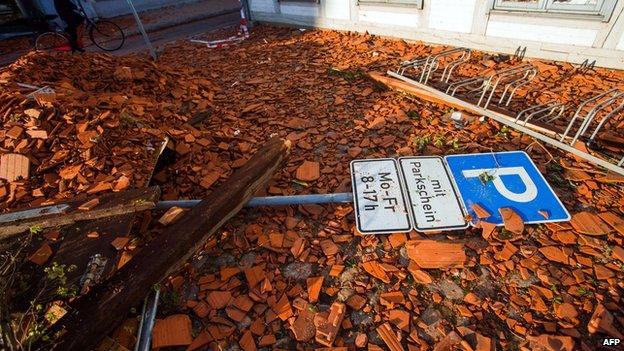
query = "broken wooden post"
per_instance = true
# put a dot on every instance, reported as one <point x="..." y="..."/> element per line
<point x="94" y="315"/>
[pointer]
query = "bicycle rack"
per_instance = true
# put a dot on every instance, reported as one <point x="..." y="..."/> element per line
<point x="597" y="103"/>
<point x="513" y="78"/>
<point x="431" y="64"/>
<point x="516" y="77"/>
<point x="546" y="112"/>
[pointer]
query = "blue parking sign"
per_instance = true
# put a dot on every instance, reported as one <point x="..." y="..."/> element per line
<point x="505" y="179"/>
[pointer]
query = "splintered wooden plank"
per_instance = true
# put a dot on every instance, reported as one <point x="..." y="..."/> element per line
<point x="108" y="205"/>
<point x="75" y="247"/>
<point x="95" y="314"/>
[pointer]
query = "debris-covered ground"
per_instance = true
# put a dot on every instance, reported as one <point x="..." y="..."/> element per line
<point x="301" y="277"/>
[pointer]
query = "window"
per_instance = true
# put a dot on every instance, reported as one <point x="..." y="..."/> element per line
<point x="602" y="8"/>
<point x="415" y="3"/>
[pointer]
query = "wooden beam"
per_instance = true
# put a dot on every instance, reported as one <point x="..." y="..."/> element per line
<point x="433" y="95"/>
<point x="112" y="204"/>
<point x="97" y="313"/>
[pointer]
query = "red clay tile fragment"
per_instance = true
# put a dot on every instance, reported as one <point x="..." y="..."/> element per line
<point x="590" y="224"/>
<point x="202" y="339"/>
<point x="400" y="318"/>
<point x="389" y="337"/>
<point x="484" y="343"/>
<point x="314" y="288"/>
<point x="434" y="254"/>
<point x="283" y="309"/>
<point x="14" y="167"/>
<point x="303" y="328"/>
<point x="449" y="342"/>
<point x="554" y="253"/>
<point x="481" y="212"/>
<point x="219" y="299"/>
<point x="120" y="242"/>
<point x="308" y="171"/>
<point x="267" y="340"/>
<point x="547" y="342"/>
<point x="228" y="272"/>
<point x="614" y="221"/>
<point x="172" y="215"/>
<point x="374" y="268"/>
<point x="328" y="247"/>
<point x="361" y="339"/>
<point x="41" y="256"/>
<point x="174" y="330"/>
<point x="328" y="323"/>
<point x="247" y="342"/>
<point x="513" y="221"/>
<point x="601" y="321"/>
<point x="419" y="275"/>
<point x="89" y="204"/>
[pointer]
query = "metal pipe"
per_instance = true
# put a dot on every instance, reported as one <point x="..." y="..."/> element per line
<point x="150" y="306"/>
<point x="272" y="200"/>
<point x="142" y="29"/>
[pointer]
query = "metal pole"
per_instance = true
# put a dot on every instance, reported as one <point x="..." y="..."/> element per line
<point x="150" y="306"/>
<point x="142" y="30"/>
<point x="272" y="200"/>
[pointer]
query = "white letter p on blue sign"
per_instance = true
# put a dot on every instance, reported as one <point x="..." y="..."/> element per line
<point x="512" y="181"/>
<point x="530" y="190"/>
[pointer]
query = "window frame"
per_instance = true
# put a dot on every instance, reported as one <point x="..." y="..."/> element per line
<point x="603" y="9"/>
<point x="408" y="3"/>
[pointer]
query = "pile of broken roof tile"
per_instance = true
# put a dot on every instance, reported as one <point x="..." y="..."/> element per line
<point x="301" y="277"/>
<point x="99" y="128"/>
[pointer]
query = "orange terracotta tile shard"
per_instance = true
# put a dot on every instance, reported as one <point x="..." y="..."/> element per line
<point x="247" y="342"/>
<point x="389" y="337"/>
<point x="283" y="309"/>
<point x="336" y="270"/>
<point x="42" y="255"/>
<point x="120" y="242"/>
<point x="484" y="343"/>
<point x="400" y="318"/>
<point x="547" y="342"/>
<point x="374" y="268"/>
<point x="481" y="212"/>
<point x="219" y="299"/>
<point x="513" y="221"/>
<point x="308" y="171"/>
<point x="174" y="330"/>
<point x="267" y="340"/>
<point x="419" y="275"/>
<point x="14" y="167"/>
<point x="434" y="254"/>
<point x="202" y="339"/>
<point x="328" y="323"/>
<point x="314" y="288"/>
<point x="89" y="205"/>
<point x="228" y="272"/>
<point x="303" y="327"/>
<point x="172" y="215"/>
<point x="601" y="321"/>
<point x="590" y="224"/>
<point x="254" y="275"/>
<point x="328" y="247"/>
<point x="614" y="221"/>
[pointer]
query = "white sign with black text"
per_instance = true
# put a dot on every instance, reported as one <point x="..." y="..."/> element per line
<point x="434" y="204"/>
<point x="380" y="205"/>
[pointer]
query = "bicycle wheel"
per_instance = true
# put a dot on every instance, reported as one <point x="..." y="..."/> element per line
<point x="106" y="35"/>
<point x="52" y="41"/>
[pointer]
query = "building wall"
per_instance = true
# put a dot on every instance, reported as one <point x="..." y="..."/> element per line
<point x="469" y="23"/>
<point x="112" y="8"/>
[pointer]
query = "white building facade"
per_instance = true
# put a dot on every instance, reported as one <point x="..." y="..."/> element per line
<point x="563" y="30"/>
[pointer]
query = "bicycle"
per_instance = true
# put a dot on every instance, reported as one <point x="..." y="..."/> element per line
<point x="104" y="34"/>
